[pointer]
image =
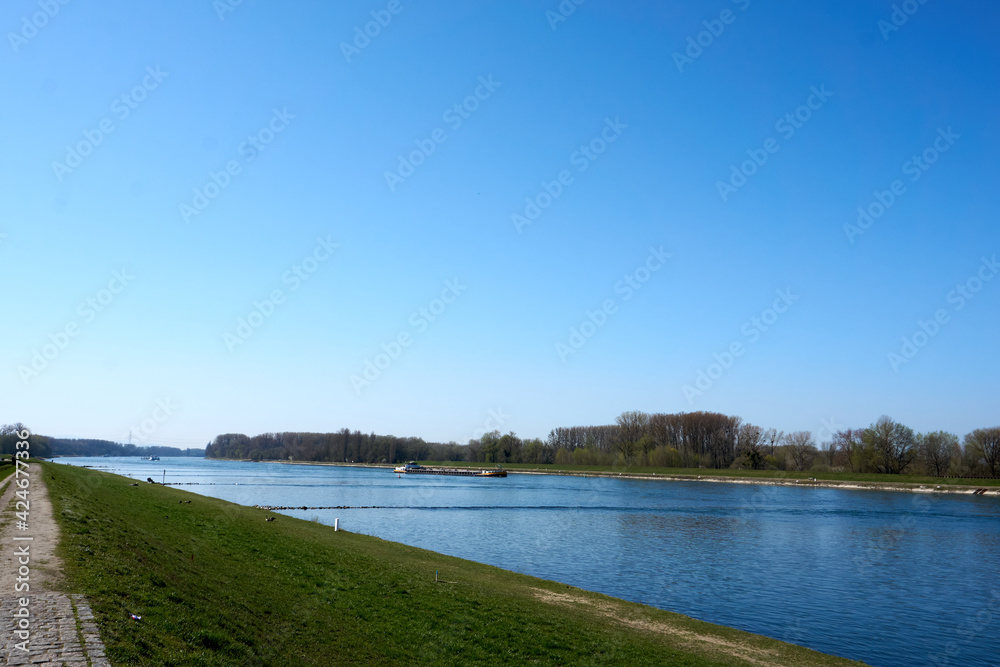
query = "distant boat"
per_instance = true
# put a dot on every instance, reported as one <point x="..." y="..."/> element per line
<point x="414" y="468"/>
<point x="150" y="458"/>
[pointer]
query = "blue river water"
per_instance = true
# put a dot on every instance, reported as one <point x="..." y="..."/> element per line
<point x="892" y="579"/>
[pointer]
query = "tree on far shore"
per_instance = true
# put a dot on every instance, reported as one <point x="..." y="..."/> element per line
<point x="985" y="444"/>
<point x="937" y="450"/>
<point x="890" y="444"/>
<point x="801" y="448"/>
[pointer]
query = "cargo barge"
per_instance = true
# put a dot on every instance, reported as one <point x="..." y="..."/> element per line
<point x="414" y="468"/>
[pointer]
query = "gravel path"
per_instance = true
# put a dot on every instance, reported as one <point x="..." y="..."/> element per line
<point x="62" y="629"/>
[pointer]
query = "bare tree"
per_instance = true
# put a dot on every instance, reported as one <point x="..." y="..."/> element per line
<point x="666" y="430"/>
<point x="12" y="429"/>
<point x="632" y="425"/>
<point x="936" y="450"/>
<point x="849" y="444"/>
<point x="891" y="445"/>
<point x="829" y="449"/>
<point x="985" y="443"/>
<point x="801" y="447"/>
<point x="773" y="438"/>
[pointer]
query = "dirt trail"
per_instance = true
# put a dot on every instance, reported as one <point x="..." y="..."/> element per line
<point x="61" y="627"/>
<point x="46" y="570"/>
<point x="749" y="654"/>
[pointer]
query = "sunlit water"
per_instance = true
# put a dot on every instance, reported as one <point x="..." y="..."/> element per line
<point x="887" y="578"/>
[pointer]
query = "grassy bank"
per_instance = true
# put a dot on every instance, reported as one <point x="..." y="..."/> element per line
<point x="695" y="473"/>
<point x="217" y="585"/>
<point x="5" y="471"/>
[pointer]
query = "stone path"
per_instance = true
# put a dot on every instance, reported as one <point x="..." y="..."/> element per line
<point x="62" y="628"/>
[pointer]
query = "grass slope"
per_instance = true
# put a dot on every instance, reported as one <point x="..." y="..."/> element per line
<point x="217" y="585"/>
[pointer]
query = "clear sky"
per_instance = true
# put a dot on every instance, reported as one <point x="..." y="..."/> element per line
<point x="689" y="174"/>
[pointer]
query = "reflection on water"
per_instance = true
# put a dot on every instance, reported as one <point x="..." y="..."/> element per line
<point x="887" y="578"/>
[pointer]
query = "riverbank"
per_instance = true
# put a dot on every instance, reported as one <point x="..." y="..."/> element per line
<point x="862" y="482"/>
<point x="789" y="481"/>
<point x="216" y="584"/>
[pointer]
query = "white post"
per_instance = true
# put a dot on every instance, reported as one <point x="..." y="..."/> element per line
<point x="336" y="525"/>
<point x="164" y="477"/>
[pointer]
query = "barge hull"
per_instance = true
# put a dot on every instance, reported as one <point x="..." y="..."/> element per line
<point x="456" y="473"/>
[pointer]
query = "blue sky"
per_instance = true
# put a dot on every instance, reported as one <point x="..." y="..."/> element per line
<point x="202" y="85"/>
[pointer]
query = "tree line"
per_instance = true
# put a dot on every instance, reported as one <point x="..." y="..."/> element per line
<point x="87" y="447"/>
<point x="47" y="447"/>
<point x="679" y="440"/>
<point x="342" y="446"/>
<point x="38" y="445"/>
<point x="714" y="440"/>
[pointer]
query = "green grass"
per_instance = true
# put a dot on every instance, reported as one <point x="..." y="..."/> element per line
<point x="217" y="585"/>
<point x="5" y="471"/>
<point x="867" y="478"/>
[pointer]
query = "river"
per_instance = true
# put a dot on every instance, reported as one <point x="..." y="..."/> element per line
<point x="889" y="578"/>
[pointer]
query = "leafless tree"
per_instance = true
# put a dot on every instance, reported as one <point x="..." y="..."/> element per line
<point x="667" y="430"/>
<point x="632" y="425"/>
<point x="801" y="447"/>
<point x="985" y="443"/>
<point x="604" y="437"/>
<point x="773" y="438"/>
<point x="12" y="429"/>
<point x="891" y="445"/>
<point x="936" y="450"/>
<point x="849" y="444"/>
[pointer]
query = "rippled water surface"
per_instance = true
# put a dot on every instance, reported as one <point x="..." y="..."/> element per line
<point x="887" y="578"/>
